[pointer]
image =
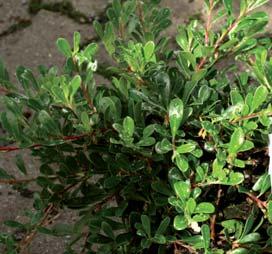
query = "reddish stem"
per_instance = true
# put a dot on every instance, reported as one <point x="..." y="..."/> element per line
<point x="15" y="148"/>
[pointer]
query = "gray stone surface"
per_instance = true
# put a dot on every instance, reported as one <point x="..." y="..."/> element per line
<point x="89" y="7"/>
<point x="182" y="11"/>
<point x="36" y="44"/>
<point x="12" y="12"/>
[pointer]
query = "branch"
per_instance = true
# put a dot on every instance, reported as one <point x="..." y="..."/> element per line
<point x="184" y="246"/>
<point x="87" y="97"/>
<point x="24" y="243"/>
<point x="209" y="23"/>
<point x="220" y="39"/>
<point x="65" y="138"/>
<point x="251" y="116"/>
<point x="261" y="204"/>
<point x="16" y="181"/>
<point x="213" y="219"/>
<point x="4" y="90"/>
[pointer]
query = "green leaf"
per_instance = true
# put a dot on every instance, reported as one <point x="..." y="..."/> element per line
<point x="64" y="47"/>
<point x="76" y="41"/>
<point x="20" y="164"/>
<point x="190" y="205"/>
<point x="186" y="148"/>
<point x="163" y="146"/>
<point x="106" y="227"/>
<point x="269" y="211"/>
<point x="247" y="145"/>
<point x="62" y="229"/>
<point x="90" y="50"/>
<point x="128" y="126"/>
<point x="146" y="224"/>
<point x="162" y="187"/>
<point x="259" y="98"/>
<point x="149" y="50"/>
<point x="4" y="174"/>
<point x="14" y="224"/>
<point x="252" y="237"/>
<point x="163" y="226"/>
<point x="47" y="121"/>
<point x="205" y="231"/>
<point x="236" y="141"/>
<point x="182" y="189"/>
<point x="175" y="115"/>
<point x="180" y="223"/>
<point x="201" y="217"/>
<point x="182" y="162"/>
<point x="236" y="97"/>
<point x="160" y="239"/>
<point x="149" y="130"/>
<point x="262" y="184"/>
<point x="75" y="85"/>
<point x="229" y="6"/>
<point x="85" y="120"/>
<point x="235" y="178"/>
<point x="149" y="141"/>
<point x="205" y="207"/>
<point x="240" y="251"/>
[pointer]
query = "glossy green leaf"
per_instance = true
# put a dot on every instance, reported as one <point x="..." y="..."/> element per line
<point x="205" y="231"/>
<point x="128" y="126"/>
<point x="237" y="140"/>
<point x="235" y="178"/>
<point x="175" y="115"/>
<point x="190" y="205"/>
<point x="182" y="162"/>
<point x="182" y="189"/>
<point x="259" y="98"/>
<point x="186" y="148"/>
<point x="252" y="237"/>
<point x="163" y="146"/>
<point x="180" y="222"/>
<point x="205" y="207"/>
<point x="201" y="217"/>
<point x="240" y="251"/>
<point x="149" y="51"/>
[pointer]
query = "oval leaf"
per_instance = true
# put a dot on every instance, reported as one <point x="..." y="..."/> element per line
<point x="176" y="109"/>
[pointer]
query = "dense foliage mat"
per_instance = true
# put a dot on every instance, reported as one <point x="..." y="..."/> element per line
<point x="167" y="156"/>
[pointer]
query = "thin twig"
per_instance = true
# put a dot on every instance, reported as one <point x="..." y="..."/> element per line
<point x="209" y="23"/>
<point x="213" y="219"/>
<point x="25" y="242"/>
<point x="261" y="204"/>
<point x="4" y="90"/>
<point x="16" y="181"/>
<point x="251" y="116"/>
<point x="65" y="138"/>
<point x="221" y="39"/>
<point x="184" y="246"/>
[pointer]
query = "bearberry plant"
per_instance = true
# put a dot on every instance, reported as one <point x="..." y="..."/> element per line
<point x="169" y="154"/>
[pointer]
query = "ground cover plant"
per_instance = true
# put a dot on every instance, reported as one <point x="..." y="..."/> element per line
<point x="169" y="155"/>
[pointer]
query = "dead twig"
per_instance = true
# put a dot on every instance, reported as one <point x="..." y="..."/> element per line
<point x="16" y="181"/>
<point x="213" y="218"/>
